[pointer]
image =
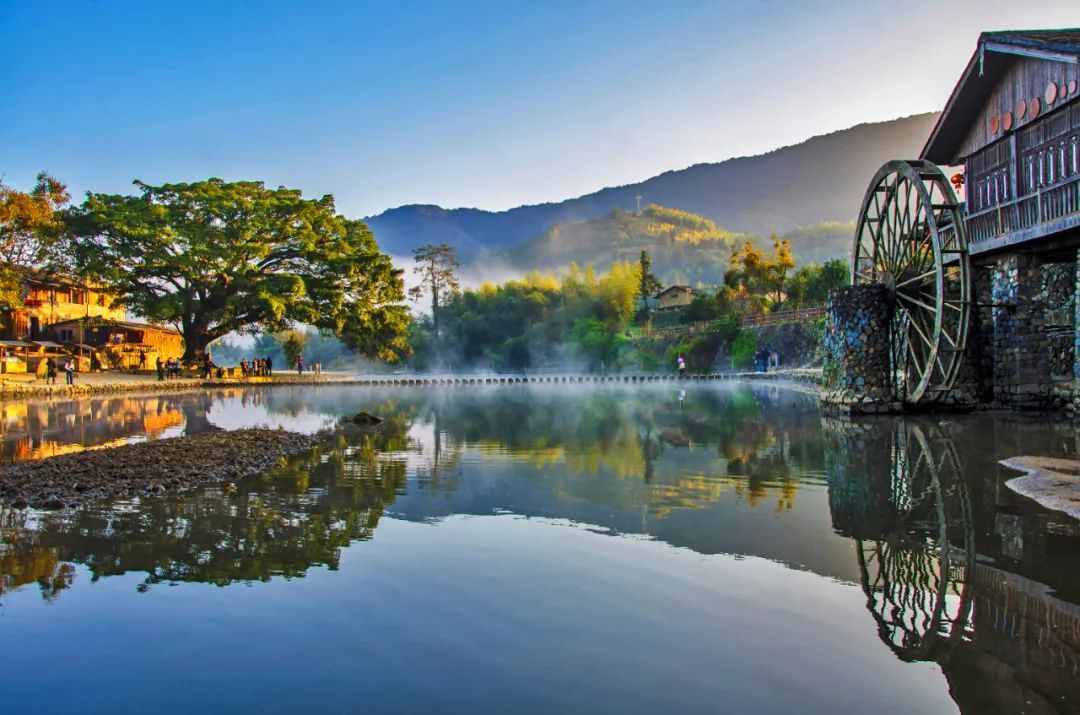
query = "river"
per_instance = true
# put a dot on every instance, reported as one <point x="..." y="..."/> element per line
<point x="548" y="548"/>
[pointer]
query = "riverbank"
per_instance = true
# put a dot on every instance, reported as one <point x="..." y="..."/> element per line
<point x="156" y="467"/>
<point x="104" y="383"/>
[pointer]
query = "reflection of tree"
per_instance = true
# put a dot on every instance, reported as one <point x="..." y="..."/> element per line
<point x="299" y="515"/>
<point x="685" y="454"/>
<point x="24" y="561"/>
<point x="899" y="489"/>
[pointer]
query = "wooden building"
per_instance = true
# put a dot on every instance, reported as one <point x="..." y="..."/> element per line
<point x="1013" y="122"/>
<point x="49" y="299"/>
<point x="121" y="344"/>
<point x="983" y="287"/>
<point x="676" y="296"/>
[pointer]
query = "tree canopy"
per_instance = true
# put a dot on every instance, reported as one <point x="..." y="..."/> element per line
<point x="214" y="257"/>
<point x="29" y="229"/>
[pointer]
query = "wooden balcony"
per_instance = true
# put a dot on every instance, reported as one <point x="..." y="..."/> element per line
<point x="1049" y="210"/>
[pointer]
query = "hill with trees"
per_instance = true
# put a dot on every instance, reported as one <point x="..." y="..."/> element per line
<point x="685" y="248"/>
<point x="819" y="180"/>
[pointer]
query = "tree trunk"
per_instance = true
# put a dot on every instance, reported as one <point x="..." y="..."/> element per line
<point x="196" y="338"/>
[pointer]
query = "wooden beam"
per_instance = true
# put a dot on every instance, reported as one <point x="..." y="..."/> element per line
<point x="1042" y="230"/>
<point x="1005" y="49"/>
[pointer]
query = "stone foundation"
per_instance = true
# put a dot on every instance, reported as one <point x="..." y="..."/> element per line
<point x="856" y="346"/>
<point x="1021" y="346"/>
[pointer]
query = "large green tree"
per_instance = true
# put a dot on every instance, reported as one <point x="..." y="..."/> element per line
<point x="215" y="257"/>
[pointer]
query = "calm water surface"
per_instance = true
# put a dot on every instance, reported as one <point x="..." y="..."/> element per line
<point x="548" y="549"/>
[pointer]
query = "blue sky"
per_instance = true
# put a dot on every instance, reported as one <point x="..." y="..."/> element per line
<point x="460" y="104"/>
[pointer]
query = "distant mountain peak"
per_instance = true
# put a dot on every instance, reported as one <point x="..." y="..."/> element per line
<point x="819" y="180"/>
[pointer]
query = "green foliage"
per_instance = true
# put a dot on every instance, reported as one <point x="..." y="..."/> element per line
<point x="648" y="285"/>
<point x="811" y="284"/>
<point x="535" y="321"/>
<point x="292" y="344"/>
<point x="743" y="348"/>
<point x="436" y="265"/>
<point x="216" y="257"/>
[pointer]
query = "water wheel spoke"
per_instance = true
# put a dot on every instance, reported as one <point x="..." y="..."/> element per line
<point x="914" y="301"/>
<point x="914" y="279"/>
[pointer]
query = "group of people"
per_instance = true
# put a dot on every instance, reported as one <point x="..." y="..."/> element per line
<point x="316" y="367"/>
<point x="766" y="359"/>
<point x="168" y="369"/>
<point x="257" y="367"/>
<point x="53" y="367"/>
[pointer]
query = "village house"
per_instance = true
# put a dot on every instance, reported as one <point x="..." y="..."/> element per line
<point x="120" y="344"/>
<point x="676" y="296"/>
<point x="63" y="316"/>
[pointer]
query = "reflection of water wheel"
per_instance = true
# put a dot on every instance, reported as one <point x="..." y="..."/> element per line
<point x="914" y="578"/>
<point x="910" y="238"/>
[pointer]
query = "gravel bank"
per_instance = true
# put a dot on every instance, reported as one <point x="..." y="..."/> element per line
<point x="153" y="467"/>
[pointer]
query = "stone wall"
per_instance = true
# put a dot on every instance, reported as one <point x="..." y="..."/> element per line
<point x="1021" y="345"/>
<point x="1059" y="317"/>
<point x="799" y="344"/>
<point x="856" y="347"/>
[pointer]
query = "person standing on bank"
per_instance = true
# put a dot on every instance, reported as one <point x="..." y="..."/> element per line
<point x="682" y="366"/>
<point x="50" y="371"/>
<point x="69" y="370"/>
<point x="300" y="365"/>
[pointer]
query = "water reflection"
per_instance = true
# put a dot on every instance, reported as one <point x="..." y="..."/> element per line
<point x="954" y="570"/>
<point x="1004" y="641"/>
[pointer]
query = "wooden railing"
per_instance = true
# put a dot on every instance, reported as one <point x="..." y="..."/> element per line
<point x="1043" y="206"/>
<point x="784" y="316"/>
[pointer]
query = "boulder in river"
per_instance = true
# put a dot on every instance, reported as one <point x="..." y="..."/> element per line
<point x="365" y="419"/>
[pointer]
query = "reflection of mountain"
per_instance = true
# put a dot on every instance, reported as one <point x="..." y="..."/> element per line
<point x="904" y="493"/>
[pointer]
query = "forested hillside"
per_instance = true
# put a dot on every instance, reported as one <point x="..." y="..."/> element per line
<point x="819" y="180"/>
<point x="685" y="248"/>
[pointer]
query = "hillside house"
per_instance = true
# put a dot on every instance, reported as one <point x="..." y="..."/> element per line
<point x="674" y="297"/>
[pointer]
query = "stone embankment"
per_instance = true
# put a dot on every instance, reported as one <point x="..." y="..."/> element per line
<point x="156" y="467"/>
<point x="857" y="351"/>
<point x="111" y="383"/>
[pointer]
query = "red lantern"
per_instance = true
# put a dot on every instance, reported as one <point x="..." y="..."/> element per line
<point x="957" y="180"/>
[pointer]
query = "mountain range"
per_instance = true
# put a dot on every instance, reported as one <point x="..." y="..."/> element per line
<point x="818" y="181"/>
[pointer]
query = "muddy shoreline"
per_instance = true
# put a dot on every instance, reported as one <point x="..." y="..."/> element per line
<point x="155" y="467"/>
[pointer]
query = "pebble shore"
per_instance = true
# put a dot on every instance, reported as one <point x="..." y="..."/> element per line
<point x="154" y="467"/>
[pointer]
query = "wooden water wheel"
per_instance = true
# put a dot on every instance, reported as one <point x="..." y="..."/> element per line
<point x="910" y="238"/>
<point x="916" y="575"/>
